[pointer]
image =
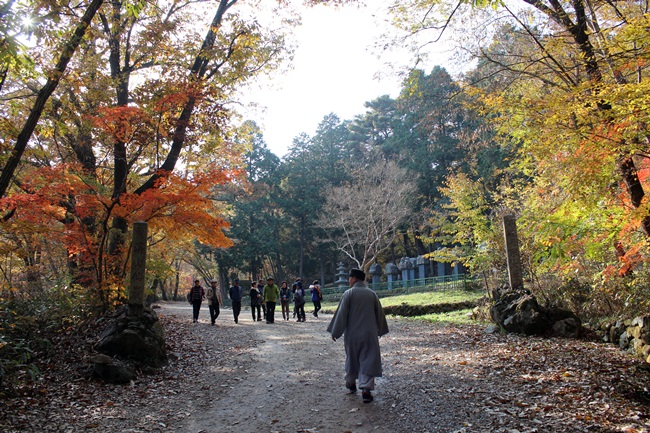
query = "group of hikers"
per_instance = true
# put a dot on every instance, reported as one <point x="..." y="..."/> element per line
<point x="263" y="299"/>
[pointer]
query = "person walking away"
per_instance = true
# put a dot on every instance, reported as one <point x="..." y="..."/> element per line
<point x="214" y="301"/>
<point x="294" y="286"/>
<point x="316" y="296"/>
<point x="196" y="295"/>
<point x="271" y="295"/>
<point x="285" y="296"/>
<point x="299" y="302"/>
<point x="260" y="288"/>
<point x="298" y="285"/>
<point x="256" y="301"/>
<point x="235" y="297"/>
<point x="360" y="319"/>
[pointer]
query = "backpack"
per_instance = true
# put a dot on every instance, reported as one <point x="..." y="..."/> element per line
<point x="189" y="296"/>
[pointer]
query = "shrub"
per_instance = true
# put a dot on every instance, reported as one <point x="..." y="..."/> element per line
<point x="26" y="322"/>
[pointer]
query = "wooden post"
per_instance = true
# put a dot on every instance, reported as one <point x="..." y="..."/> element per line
<point x="138" y="267"/>
<point x="512" y="252"/>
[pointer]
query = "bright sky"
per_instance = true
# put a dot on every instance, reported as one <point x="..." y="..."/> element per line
<point x="334" y="72"/>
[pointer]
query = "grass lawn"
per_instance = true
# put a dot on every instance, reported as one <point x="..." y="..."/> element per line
<point x="429" y="298"/>
<point x="458" y="317"/>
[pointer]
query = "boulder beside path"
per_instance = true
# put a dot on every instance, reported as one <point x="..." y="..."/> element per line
<point x="130" y="341"/>
<point x="517" y="310"/>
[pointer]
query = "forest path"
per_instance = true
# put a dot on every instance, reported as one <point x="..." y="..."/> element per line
<point x="287" y="377"/>
<point x="283" y="377"/>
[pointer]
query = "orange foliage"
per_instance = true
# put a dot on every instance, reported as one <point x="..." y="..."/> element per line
<point x="124" y="124"/>
<point x="171" y="102"/>
<point x="181" y="207"/>
<point x="42" y="197"/>
<point x="628" y="259"/>
<point x="59" y="208"/>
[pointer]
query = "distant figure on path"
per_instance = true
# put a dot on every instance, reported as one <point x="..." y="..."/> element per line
<point x="260" y="288"/>
<point x="299" y="302"/>
<point x="271" y="295"/>
<point x="316" y="296"/>
<point x="360" y="318"/>
<point x="214" y="301"/>
<point x="235" y="297"/>
<point x="285" y="299"/>
<point x="297" y="285"/>
<point x="256" y="301"/>
<point x="197" y="294"/>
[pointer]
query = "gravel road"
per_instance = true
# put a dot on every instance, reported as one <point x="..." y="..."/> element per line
<point x="282" y="377"/>
<point x="286" y="377"/>
<point x="289" y="377"/>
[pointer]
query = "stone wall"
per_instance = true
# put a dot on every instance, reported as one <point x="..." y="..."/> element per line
<point x="632" y="335"/>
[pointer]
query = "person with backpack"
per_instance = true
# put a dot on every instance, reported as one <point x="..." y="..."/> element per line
<point x="316" y="296"/>
<point x="196" y="296"/>
<point x="214" y="301"/>
<point x="299" y="302"/>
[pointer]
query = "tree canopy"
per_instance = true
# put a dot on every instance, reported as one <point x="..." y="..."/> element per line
<point x="133" y="118"/>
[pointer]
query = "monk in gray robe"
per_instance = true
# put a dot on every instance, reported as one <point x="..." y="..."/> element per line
<point x="360" y="319"/>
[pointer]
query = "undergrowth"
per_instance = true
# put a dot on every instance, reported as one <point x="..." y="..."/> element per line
<point x="27" y="323"/>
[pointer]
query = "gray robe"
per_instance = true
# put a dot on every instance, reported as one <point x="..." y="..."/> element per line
<point x="360" y="318"/>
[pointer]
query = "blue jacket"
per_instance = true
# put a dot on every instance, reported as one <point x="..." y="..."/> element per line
<point x="315" y="292"/>
<point x="235" y="293"/>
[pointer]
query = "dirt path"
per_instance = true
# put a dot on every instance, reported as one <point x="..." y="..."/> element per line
<point x="288" y="377"/>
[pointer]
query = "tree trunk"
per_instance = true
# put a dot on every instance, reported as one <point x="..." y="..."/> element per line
<point x="163" y="290"/>
<point x="223" y="282"/>
<point x="419" y="245"/>
<point x="301" y="261"/>
<point x="177" y="280"/>
<point x="153" y="296"/>
<point x="634" y="188"/>
<point x="408" y="249"/>
<point x="322" y="267"/>
<point x="120" y="76"/>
